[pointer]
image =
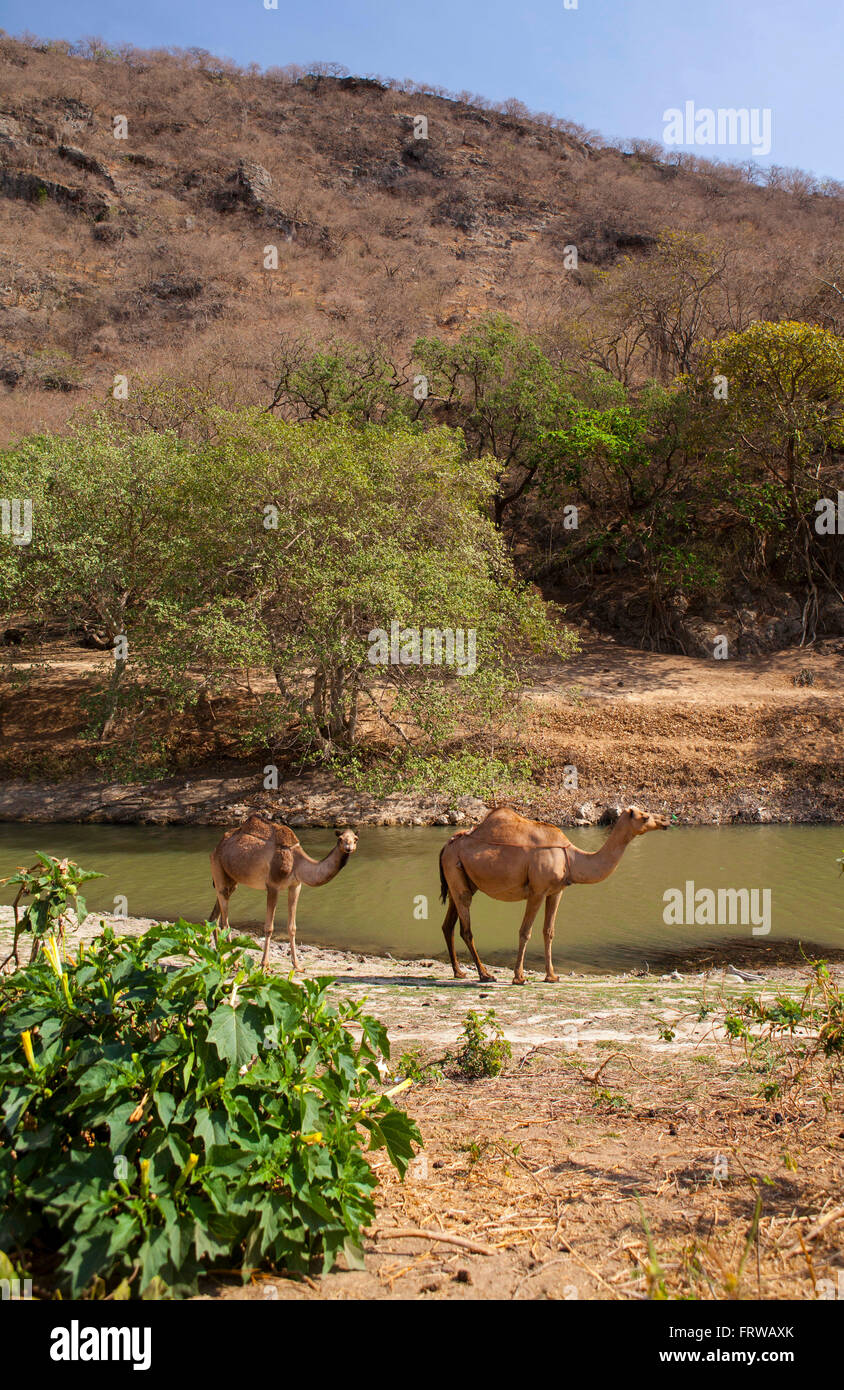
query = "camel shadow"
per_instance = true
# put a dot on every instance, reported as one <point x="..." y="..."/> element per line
<point x="783" y="1195"/>
<point x="412" y="981"/>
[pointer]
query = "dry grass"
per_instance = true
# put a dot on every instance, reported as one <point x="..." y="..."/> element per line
<point x="553" y="1176"/>
<point x="393" y="239"/>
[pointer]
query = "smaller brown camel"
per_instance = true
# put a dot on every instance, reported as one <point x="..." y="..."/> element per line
<point x="512" y="859"/>
<point x="259" y="854"/>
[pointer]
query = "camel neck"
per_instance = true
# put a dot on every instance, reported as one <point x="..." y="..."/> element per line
<point x="315" y="872"/>
<point x="593" y="867"/>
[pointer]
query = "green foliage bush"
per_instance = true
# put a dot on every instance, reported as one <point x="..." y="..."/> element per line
<point x="159" y="1119"/>
<point x="793" y="1039"/>
<point x="53" y="886"/>
<point x="239" y="543"/>
<point x="413" y="1067"/>
<point x="484" y="1048"/>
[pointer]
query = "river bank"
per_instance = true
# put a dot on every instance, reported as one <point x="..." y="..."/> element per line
<point x="412" y="985"/>
<point x="759" y="740"/>
<point x="319" y="801"/>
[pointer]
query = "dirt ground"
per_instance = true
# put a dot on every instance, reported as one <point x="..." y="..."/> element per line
<point x="708" y="741"/>
<point x="603" y="1134"/>
<point x="619" y="1155"/>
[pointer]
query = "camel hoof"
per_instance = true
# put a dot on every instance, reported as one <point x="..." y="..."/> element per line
<point x="486" y="979"/>
<point x="519" y="980"/>
<point x="460" y="975"/>
<point x="552" y="979"/>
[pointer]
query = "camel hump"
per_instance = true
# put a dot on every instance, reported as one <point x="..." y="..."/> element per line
<point x="504" y="826"/>
<point x="284" y="835"/>
<point x="261" y="829"/>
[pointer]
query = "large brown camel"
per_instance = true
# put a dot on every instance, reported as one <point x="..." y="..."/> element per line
<point x="259" y="854"/>
<point x="512" y="859"/>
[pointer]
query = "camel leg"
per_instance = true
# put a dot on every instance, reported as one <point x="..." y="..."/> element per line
<point x="448" y="932"/>
<point x="292" y="899"/>
<point x="461" y="895"/>
<point x="224" y="887"/>
<point x="552" y="902"/>
<point x="272" y="900"/>
<point x="531" y="910"/>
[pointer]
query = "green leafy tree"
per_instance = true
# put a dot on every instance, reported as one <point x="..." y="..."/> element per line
<point x="500" y="388"/>
<point x="621" y="456"/>
<point x="780" y="428"/>
<point x="257" y="544"/>
<point x="360" y="382"/>
<point x="495" y="383"/>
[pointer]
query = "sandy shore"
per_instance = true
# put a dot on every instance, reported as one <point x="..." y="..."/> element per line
<point x="421" y="1002"/>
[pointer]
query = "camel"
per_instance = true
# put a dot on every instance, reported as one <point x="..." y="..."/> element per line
<point x="512" y="859"/>
<point x="259" y="854"/>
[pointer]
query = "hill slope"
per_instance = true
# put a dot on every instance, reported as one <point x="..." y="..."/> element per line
<point x="147" y="253"/>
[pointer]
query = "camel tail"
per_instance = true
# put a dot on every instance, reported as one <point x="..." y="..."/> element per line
<point x="215" y="911"/>
<point x="443" y="884"/>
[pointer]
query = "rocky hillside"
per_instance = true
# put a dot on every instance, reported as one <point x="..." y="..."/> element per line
<point x="149" y="253"/>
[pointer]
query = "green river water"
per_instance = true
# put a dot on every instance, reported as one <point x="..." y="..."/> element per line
<point x="377" y="904"/>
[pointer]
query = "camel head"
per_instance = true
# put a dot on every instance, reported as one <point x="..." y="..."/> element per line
<point x="640" y="821"/>
<point x="347" y="841"/>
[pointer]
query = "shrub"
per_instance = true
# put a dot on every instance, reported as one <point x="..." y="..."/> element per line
<point x="485" y="1049"/>
<point x="795" y="1039"/>
<point x="53" y="885"/>
<point x="281" y="547"/>
<point x="161" y="1119"/>
<point x="412" y="1067"/>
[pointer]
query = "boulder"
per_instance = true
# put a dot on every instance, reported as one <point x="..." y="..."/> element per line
<point x="10" y="132"/>
<point x="249" y="186"/>
<point x="86" y="161"/>
<point x="832" y="616"/>
<point x="700" y="636"/>
<point x="18" y="183"/>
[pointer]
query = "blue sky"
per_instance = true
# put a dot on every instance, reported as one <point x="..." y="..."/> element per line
<point x="613" y="65"/>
